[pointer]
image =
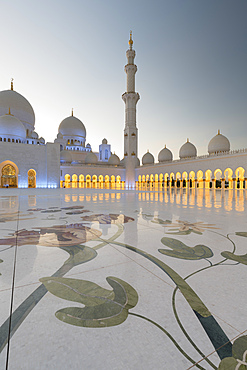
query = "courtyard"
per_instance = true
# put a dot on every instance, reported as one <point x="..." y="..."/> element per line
<point x="118" y="279"/>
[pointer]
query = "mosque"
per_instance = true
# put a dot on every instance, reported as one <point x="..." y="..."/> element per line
<point x="27" y="161"/>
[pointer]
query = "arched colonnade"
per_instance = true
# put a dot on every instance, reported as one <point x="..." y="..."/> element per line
<point x="94" y="181"/>
<point x="227" y="179"/>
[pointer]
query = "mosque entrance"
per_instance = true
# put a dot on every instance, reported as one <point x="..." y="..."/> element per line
<point x="31" y="178"/>
<point x="8" y="178"/>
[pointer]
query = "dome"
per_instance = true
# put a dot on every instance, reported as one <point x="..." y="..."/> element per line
<point x="12" y="126"/>
<point x="137" y="162"/>
<point x="218" y="143"/>
<point x="165" y="155"/>
<point x="104" y="141"/>
<point x="148" y="158"/>
<point x="34" y="135"/>
<point x="91" y="158"/>
<point x="114" y="159"/>
<point x="19" y="107"/>
<point x="72" y="126"/>
<point x="65" y="156"/>
<point x="187" y="150"/>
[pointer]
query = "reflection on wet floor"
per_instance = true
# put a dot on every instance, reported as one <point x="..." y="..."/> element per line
<point x="208" y="198"/>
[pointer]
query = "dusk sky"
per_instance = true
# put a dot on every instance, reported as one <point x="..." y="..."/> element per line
<point x="191" y="57"/>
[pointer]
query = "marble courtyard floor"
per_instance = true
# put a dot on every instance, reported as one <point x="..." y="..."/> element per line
<point x="115" y="279"/>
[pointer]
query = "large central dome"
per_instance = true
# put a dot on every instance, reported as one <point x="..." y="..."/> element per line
<point x="19" y="107"/>
<point x="72" y="127"/>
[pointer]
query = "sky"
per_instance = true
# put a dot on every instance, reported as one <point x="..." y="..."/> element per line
<point x="191" y="57"/>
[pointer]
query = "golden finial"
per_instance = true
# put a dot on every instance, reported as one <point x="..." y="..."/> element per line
<point x="12" y="85"/>
<point x="187" y="140"/>
<point x="9" y="113"/>
<point x="72" y="113"/>
<point x="218" y="132"/>
<point x="165" y="145"/>
<point x="130" y="41"/>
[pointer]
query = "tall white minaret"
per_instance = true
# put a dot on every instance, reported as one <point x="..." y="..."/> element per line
<point x="130" y="97"/>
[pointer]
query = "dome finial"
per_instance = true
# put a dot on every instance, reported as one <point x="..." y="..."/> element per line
<point x="9" y="111"/>
<point x="219" y="132"/>
<point x="187" y="140"/>
<point x="12" y="85"/>
<point x="72" y="113"/>
<point x="130" y="41"/>
<point x="165" y="145"/>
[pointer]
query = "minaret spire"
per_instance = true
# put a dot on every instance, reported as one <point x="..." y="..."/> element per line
<point x="130" y="41"/>
<point x="12" y="84"/>
<point x="130" y="98"/>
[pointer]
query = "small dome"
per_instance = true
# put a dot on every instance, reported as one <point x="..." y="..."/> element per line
<point x="104" y="141"/>
<point x="218" y="143"/>
<point x="148" y="158"/>
<point x="114" y="159"/>
<point x="72" y="126"/>
<point x="12" y="126"/>
<point x="34" y="135"/>
<point x="65" y="156"/>
<point x="18" y="105"/>
<point x="91" y="158"/>
<point x="165" y="155"/>
<point x="137" y="162"/>
<point x="187" y="150"/>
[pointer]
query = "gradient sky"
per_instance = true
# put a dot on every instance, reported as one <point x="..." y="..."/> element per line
<point x="191" y="57"/>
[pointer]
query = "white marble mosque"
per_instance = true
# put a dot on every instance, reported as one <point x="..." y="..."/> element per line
<point x="27" y="161"/>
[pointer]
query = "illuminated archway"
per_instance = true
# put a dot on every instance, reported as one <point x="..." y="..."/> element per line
<point x="199" y="177"/>
<point x="239" y="173"/>
<point x="107" y="181"/>
<point x="172" y="179"/>
<point x="192" y="179"/>
<point x="81" y="181"/>
<point x="217" y="178"/>
<point x="178" y="179"/>
<point x="9" y="176"/>
<point x="31" y="178"/>
<point x="166" y="179"/>
<point x="208" y="178"/>
<point x="67" y="181"/>
<point x="228" y="178"/>
<point x="88" y="181"/>
<point x="74" y="181"/>
<point x="94" y="181"/>
<point x="184" y="179"/>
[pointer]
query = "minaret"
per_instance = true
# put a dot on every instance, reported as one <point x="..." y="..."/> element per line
<point x="130" y="97"/>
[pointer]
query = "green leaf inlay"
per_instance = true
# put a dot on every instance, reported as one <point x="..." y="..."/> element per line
<point x="231" y="256"/>
<point x="181" y="250"/>
<point x="103" y="307"/>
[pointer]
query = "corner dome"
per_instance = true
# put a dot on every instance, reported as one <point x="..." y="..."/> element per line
<point x="65" y="156"/>
<point x="19" y="107"/>
<point x="165" y="155"/>
<point x="91" y="158"/>
<point x="187" y="150"/>
<point x="104" y="141"/>
<point x="218" y="144"/>
<point x="72" y="126"/>
<point x="114" y="159"/>
<point x="12" y="127"/>
<point x="148" y="158"/>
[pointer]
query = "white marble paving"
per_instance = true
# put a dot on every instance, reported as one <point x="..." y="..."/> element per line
<point x="150" y="340"/>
